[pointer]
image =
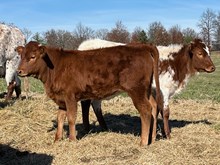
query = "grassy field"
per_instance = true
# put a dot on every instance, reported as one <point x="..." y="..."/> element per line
<point x="27" y="130"/>
<point x="204" y="86"/>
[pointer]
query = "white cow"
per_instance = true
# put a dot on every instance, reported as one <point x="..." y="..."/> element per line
<point x="10" y="38"/>
<point x="96" y="44"/>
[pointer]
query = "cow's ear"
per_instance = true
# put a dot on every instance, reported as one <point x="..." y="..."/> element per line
<point x="192" y="43"/>
<point x="42" y="51"/>
<point x="19" y="49"/>
<point x="190" y="48"/>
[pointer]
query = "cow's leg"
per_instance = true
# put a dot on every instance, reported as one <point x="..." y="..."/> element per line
<point x="71" y="105"/>
<point x="11" y="76"/>
<point x="18" y="91"/>
<point x="10" y="90"/>
<point x="18" y="86"/>
<point x="61" y="115"/>
<point x="96" y="105"/>
<point x="166" y="114"/>
<point x="144" y="107"/>
<point x="155" y="115"/>
<point x="85" y="104"/>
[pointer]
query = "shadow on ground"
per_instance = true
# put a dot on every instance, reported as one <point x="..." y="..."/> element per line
<point x="9" y="156"/>
<point x="127" y="124"/>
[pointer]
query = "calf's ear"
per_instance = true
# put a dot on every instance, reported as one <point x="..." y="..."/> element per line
<point x="42" y="51"/>
<point x="19" y="49"/>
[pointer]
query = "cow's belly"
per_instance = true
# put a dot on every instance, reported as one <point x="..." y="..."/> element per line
<point x="98" y="95"/>
<point x="88" y="93"/>
<point x="168" y="86"/>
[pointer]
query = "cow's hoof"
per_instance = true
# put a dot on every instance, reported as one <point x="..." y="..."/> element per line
<point x="71" y="138"/>
<point x="57" y="138"/>
<point x="168" y="136"/>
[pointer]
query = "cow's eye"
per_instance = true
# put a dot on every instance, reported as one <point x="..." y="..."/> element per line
<point x="33" y="57"/>
<point x="200" y="54"/>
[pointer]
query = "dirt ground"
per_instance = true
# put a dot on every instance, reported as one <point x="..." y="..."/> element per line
<point x="27" y="131"/>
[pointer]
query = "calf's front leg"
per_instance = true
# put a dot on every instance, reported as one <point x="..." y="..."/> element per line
<point x="71" y="105"/>
<point x="61" y="116"/>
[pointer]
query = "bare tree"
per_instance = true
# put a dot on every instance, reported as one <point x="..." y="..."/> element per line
<point x="27" y="33"/>
<point x="139" y="36"/>
<point x="216" y="43"/>
<point x="176" y="36"/>
<point x="38" y="37"/>
<point x="119" y="33"/>
<point x="65" y="39"/>
<point x="59" y="38"/>
<point x="51" y="38"/>
<point x="101" y="34"/>
<point x="82" y="33"/>
<point x="188" y="35"/>
<point x="207" y="25"/>
<point x="158" y="34"/>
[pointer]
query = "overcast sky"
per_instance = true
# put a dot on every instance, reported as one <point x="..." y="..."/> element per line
<point x="43" y="15"/>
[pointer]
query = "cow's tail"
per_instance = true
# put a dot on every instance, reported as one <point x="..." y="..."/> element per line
<point x="155" y="55"/>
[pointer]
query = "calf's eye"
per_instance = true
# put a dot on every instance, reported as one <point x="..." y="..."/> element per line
<point x="33" y="57"/>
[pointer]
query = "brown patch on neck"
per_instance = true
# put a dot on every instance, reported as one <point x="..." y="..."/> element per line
<point x="180" y="63"/>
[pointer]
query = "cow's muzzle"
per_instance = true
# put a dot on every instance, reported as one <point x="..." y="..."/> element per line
<point x="210" y="69"/>
<point x="21" y="73"/>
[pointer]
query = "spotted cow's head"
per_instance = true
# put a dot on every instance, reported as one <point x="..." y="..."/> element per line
<point x="200" y="55"/>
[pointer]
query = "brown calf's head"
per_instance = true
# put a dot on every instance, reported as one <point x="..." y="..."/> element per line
<point x="200" y="55"/>
<point x="31" y="58"/>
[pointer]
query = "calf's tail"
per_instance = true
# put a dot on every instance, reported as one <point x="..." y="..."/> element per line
<point x="155" y="55"/>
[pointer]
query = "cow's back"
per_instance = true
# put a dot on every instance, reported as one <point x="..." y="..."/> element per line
<point x="96" y="44"/>
<point x="94" y="72"/>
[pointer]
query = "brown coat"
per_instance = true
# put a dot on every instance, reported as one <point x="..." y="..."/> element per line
<point x="71" y="76"/>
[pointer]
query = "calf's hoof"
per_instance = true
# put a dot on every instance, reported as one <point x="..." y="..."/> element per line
<point x="143" y="143"/>
<point x="57" y="138"/>
<point x="168" y="136"/>
<point x="72" y="138"/>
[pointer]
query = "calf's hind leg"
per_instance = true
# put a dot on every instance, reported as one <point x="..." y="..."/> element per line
<point x="155" y="116"/>
<point x="144" y="108"/>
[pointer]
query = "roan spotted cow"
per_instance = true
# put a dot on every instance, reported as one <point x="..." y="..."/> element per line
<point x="10" y="38"/>
<point x="71" y="76"/>
<point x="177" y="64"/>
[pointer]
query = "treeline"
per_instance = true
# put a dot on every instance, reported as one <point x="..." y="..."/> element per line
<point x="209" y="26"/>
<point x="156" y="34"/>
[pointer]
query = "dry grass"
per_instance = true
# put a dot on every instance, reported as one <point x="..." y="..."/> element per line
<point x="28" y="128"/>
